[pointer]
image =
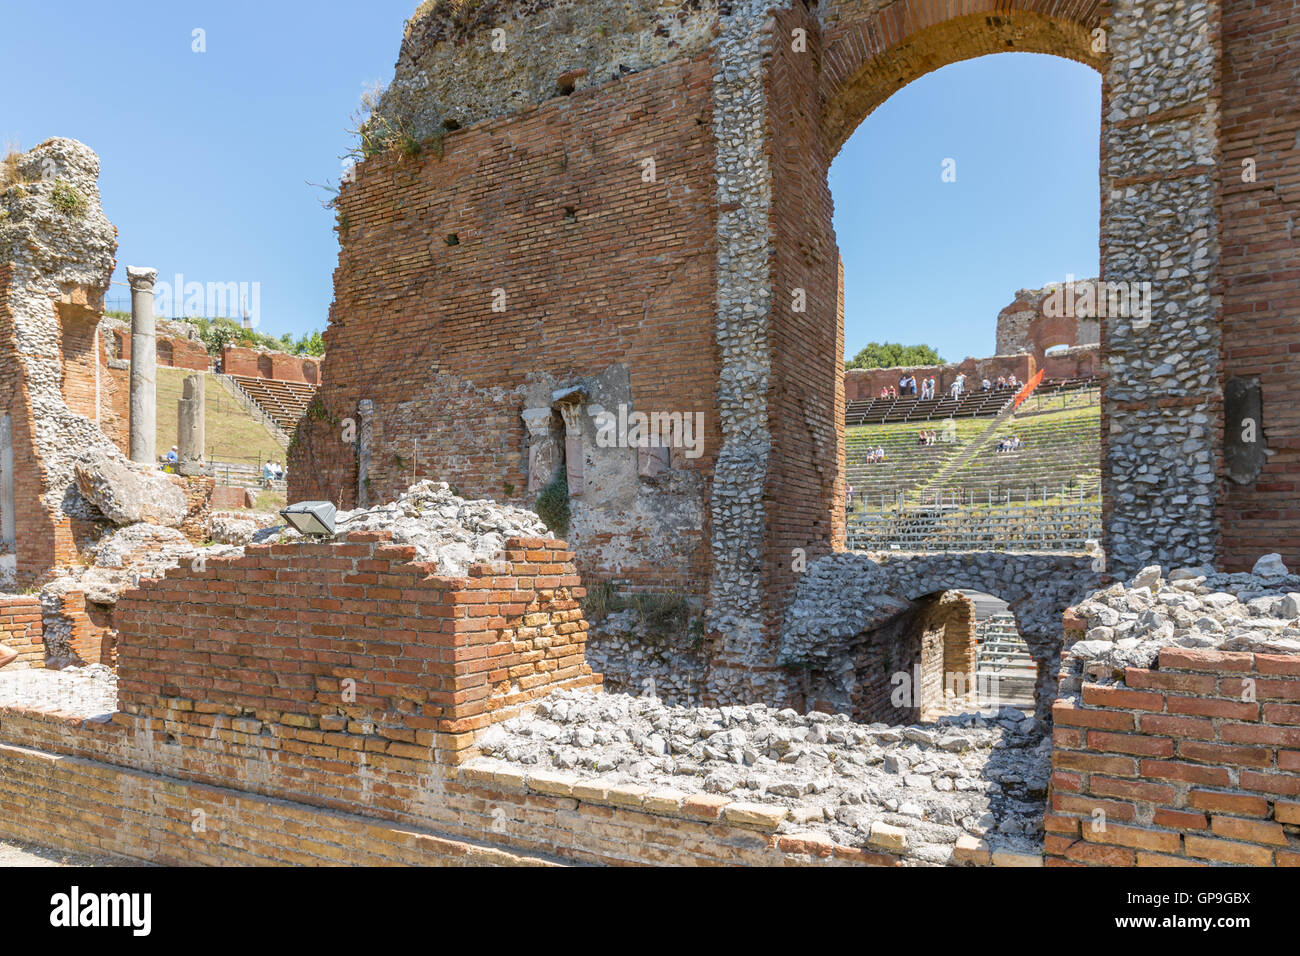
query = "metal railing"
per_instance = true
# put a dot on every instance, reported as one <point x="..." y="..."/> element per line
<point x="1064" y="526"/>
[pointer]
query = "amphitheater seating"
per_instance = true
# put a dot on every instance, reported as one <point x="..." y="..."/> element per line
<point x="284" y="402"/>
<point x="972" y="404"/>
<point x="957" y="495"/>
<point x="911" y="408"/>
<point x="1059" y="453"/>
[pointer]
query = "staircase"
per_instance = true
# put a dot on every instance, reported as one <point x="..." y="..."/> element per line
<point x="1003" y="662"/>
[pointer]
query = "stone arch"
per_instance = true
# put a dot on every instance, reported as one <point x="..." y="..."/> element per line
<point x="871" y="51"/>
<point x="860" y="54"/>
<point x="845" y="595"/>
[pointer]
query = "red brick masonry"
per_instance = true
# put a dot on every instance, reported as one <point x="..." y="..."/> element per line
<point x="1195" y="762"/>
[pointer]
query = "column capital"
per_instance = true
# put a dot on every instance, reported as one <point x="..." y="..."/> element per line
<point x="141" y="279"/>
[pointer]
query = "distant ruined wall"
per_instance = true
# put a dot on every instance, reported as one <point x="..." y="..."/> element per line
<point x="1040" y="319"/>
<point x="864" y="384"/>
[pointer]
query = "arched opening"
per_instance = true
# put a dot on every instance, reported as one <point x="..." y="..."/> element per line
<point x="961" y="433"/>
<point x="951" y="651"/>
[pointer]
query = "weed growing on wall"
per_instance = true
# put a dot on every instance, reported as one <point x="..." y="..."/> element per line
<point x="553" y="505"/>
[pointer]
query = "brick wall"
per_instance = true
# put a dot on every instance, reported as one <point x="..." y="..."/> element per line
<point x="171" y="351"/>
<point x="236" y="360"/>
<point x="20" y="630"/>
<point x="806" y="392"/>
<point x="268" y="641"/>
<point x="863" y="384"/>
<point x="598" y="269"/>
<point x="92" y="638"/>
<point x="42" y="539"/>
<point x="1196" y="761"/>
<point x="1260" y="265"/>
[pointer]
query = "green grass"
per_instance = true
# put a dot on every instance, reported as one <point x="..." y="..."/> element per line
<point x="232" y="434"/>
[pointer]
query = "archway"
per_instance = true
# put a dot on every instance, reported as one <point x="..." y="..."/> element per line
<point x="779" y="399"/>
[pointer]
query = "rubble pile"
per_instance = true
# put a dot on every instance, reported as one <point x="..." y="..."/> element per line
<point x="444" y="529"/>
<point x="1126" y="624"/>
<point x="917" y="789"/>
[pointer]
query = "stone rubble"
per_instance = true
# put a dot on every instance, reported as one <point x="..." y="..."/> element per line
<point x="84" y="692"/>
<point x="126" y="492"/>
<point x="1126" y="624"/>
<point x="239" y="527"/>
<point x="444" y="529"/>
<point x="922" y="786"/>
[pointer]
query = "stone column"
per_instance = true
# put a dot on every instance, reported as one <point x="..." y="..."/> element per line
<point x="190" y="413"/>
<point x="365" y="443"/>
<point x="571" y="412"/>
<point x="144" y="365"/>
<point x="544" y="458"/>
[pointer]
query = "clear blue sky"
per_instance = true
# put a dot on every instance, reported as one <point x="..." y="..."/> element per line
<point x="928" y="261"/>
<point x="206" y="157"/>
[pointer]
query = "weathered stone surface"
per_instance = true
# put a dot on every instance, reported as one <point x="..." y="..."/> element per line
<point x="777" y="769"/>
<point x="127" y="493"/>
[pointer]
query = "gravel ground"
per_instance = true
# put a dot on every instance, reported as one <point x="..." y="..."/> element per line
<point x="13" y="853"/>
<point x="84" y="691"/>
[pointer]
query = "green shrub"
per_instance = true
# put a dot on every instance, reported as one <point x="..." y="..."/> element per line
<point x="553" y="506"/>
<point x="67" y="200"/>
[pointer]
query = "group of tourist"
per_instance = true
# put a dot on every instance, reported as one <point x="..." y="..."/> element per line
<point x="1004" y="382"/>
<point x="875" y="454"/>
<point x="1010" y="443"/>
<point x="272" y="471"/>
<point x="907" y="385"/>
<point x="925" y="438"/>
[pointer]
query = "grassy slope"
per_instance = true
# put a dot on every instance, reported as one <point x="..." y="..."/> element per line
<point x="232" y="434"/>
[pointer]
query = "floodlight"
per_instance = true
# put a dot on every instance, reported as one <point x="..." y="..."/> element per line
<point x="311" y="517"/>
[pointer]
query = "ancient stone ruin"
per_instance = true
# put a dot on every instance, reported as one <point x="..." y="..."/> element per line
<point x="570" y="394"/>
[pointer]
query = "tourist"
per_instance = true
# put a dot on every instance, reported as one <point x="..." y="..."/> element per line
<point x="173" y="456"/>
<point x="1012" y="382"/>
<point x="848" y="498"/>
<point x="958" y="387"/>
<point x="279" y="471"/>
<point x="884" y="391"/>
<point x="986" y="386"/>
<point x="1002" y="382"/>
<point x="880" y="453"/>
<point x="893" y="392"/>
<point x="268" y="473"/>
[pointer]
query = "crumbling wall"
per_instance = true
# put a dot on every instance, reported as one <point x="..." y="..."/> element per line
<point x="521" y="54"/>
<point x="571" y="246"/>
<point x="56" y="252"/>
<point x="1039" y="319"/>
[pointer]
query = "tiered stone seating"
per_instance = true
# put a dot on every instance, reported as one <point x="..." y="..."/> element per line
<point x="911" y="408"/>
<point x="1060" y="454"/>
<point x="972" y="404"/>
<point x="1002" y="661"/>
<point x="284" y="402"/>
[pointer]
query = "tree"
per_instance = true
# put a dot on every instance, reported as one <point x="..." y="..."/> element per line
<point x="891" y="355"/>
